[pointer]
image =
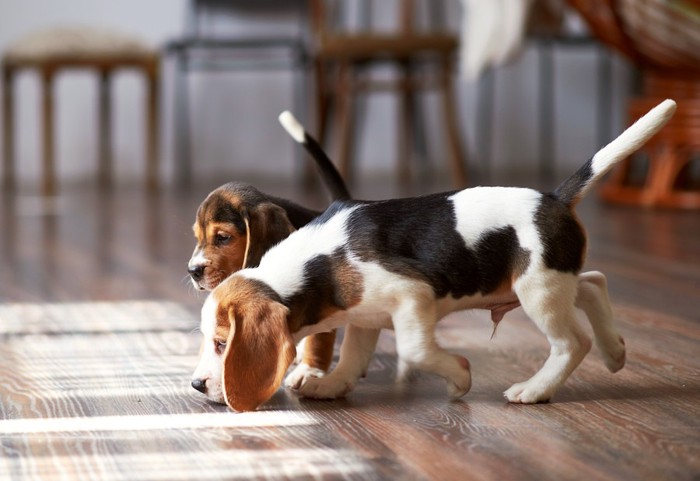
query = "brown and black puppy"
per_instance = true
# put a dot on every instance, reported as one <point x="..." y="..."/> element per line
<point x="236" y="224"/>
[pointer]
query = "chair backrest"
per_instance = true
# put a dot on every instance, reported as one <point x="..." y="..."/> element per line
<point x="396" y="17"/>
<point x="245" y="18"/>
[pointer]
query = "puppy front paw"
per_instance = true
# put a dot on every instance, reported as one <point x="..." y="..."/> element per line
<point x="301" y="374"/>
<point x="329" y="387"/>
<point x="528" y="392"/>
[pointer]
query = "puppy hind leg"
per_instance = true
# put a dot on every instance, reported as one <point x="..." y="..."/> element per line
<point x="355" y="355"/>
<point x="594" y="301"/>
<point x="417" y="348"/>
<point x="548" y="300"/>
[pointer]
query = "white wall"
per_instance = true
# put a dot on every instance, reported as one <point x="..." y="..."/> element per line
<point x="234" y="124"/>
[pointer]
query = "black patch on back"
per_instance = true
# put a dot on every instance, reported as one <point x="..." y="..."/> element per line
<point x="499" y="254"/>
<point x="320" y="290"/>
<point x="334" y="208"/>
<point x="417" y="238"/>
<point x="561" y="235"/>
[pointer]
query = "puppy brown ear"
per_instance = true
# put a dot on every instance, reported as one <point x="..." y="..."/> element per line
<point x="258" y="353"/>
<point x="268" y="224"/>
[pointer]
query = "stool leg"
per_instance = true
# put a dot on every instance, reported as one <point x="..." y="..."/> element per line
<point x="49" y="180"/>
<point x="105" y="145"/>
<point x="9" y="130"/>
<point x="183" y="167"/>
<point x="152" y="134"/>
<point x="322" y="99"/>
<point x="456" y="151"/>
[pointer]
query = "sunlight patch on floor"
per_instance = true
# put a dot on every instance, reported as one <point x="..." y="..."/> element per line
<point x="152" y="422"/>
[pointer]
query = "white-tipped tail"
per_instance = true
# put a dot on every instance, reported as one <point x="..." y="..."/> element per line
<point x="292" y="126"/>
<point x="577" y="186"/>
<point x="631" y="139"/>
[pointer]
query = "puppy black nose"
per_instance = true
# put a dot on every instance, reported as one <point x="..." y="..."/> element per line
<point x="197" y="272"/>
<point x="200" y="385"/>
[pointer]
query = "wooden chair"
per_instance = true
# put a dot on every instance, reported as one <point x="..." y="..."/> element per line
<point x="269" y="35"/>
<point x="664" y="43"/>
<point x="57" y="49"/>
<point x="348" y="53"/>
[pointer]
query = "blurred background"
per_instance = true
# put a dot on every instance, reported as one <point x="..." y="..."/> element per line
<point x="232" y="109"/>
<point x="119" y="117"/>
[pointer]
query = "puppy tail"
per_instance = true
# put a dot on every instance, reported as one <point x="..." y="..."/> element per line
<point x="330" y="175"/>
<point x="573" y="189"/>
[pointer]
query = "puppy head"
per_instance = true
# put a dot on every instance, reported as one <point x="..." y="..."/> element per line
<point x="235" y="225"/>
<point x="246" y="348"/>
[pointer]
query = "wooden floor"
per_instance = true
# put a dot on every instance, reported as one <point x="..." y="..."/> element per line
<point x="98" y="341"/>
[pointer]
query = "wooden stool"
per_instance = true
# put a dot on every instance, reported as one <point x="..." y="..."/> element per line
<point x="670" y="153"/>
<point x="52" y="50"/>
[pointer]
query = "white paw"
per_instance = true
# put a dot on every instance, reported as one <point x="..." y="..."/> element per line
<point x="329" y="387"/>
<point x="614" y="357"/>
<point x="301" y="374"/>
<point x="528" y="392"/>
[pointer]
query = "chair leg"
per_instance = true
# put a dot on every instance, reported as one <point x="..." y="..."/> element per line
<point x="9" y="131"/>
<point x="300" y="105"/>
<point x="105" y="126"/>
<point x="152" y="128"/>
<point x="672" y="160"/>
<point x="320" y="107"/>
<point x="457" y="156"/>
<point x="406" y="123"/>
<point x="49" y="180"/>
<point x="344" y="118"/>
<point x="322" y="100"/>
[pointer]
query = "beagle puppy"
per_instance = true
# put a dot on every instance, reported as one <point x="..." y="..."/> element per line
<point x="236" y="224"/>
<point x="404" y="264"/>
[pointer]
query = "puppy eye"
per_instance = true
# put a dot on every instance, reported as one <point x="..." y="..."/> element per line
<point x="222" y="238"/>
<point x="219" y="346"/>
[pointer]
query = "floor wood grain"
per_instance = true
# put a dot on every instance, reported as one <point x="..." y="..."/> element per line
<point x="98" y="340"/>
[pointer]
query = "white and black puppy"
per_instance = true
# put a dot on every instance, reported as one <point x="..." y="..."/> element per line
<point x="405" y="264"/>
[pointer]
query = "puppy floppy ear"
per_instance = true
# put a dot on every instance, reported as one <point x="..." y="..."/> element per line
<point x="258" y="353"/>
<point x="266" y="225"/>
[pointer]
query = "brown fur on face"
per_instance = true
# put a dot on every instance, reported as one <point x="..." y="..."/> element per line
<point x="235" y="224"/>
<point x="259" y="347"/>
<point x="250" y="222"/>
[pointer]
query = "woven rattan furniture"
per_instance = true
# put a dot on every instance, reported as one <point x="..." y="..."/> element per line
<point x="662" y="38"/>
